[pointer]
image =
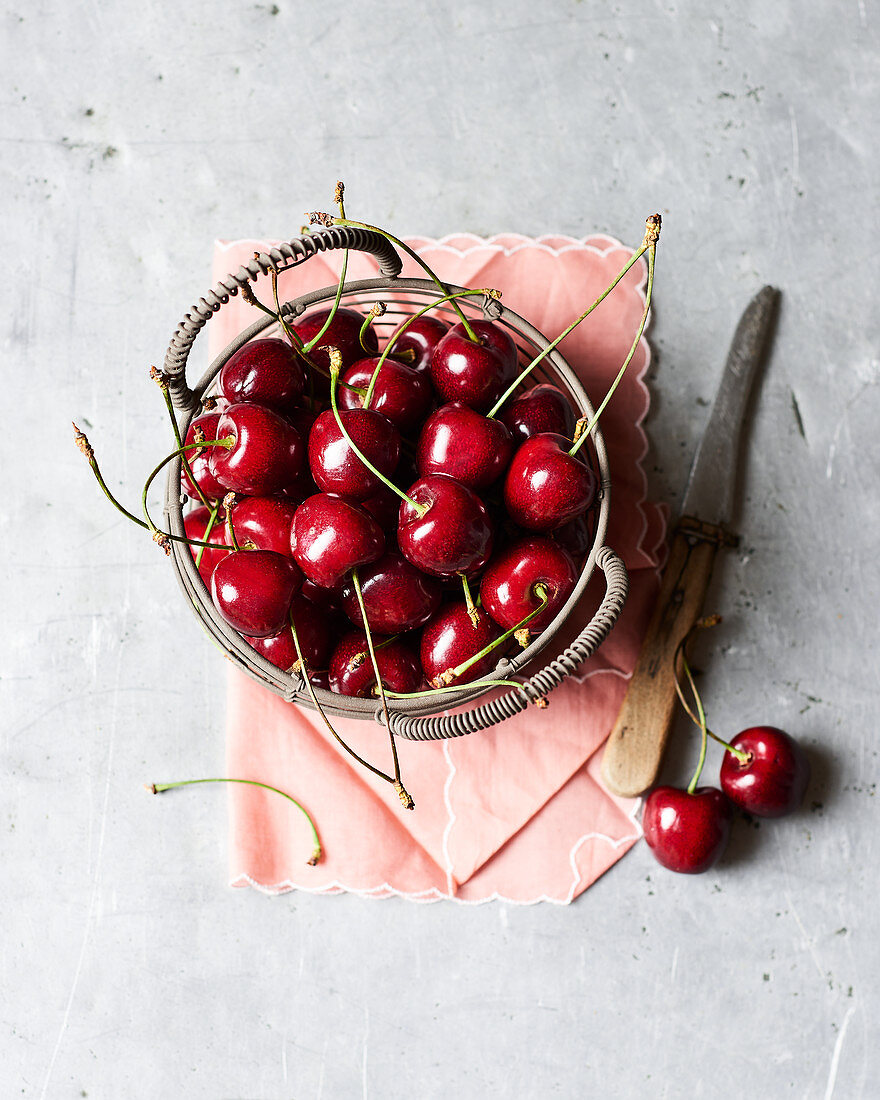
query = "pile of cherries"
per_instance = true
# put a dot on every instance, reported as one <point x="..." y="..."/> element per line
<point x="462" y="529"/>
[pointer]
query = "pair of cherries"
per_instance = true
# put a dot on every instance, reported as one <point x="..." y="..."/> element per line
<point x="766" y="776"/>
<point x="309" y="511"/>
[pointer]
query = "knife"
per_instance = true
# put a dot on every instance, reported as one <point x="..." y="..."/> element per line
<point x="635" y="747"/>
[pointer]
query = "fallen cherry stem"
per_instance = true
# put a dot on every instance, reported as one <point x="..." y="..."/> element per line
<point x="317" y="852"/>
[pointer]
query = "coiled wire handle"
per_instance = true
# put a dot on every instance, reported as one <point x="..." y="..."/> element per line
<point x="438" y="727"/>
<point x="278" y="258"/>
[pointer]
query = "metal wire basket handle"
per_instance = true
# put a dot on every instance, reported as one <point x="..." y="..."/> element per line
<point x="438" y="727"/>
<point x="279" y="258"/>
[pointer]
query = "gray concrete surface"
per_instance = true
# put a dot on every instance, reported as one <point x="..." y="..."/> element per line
<point x="134" y="134"/>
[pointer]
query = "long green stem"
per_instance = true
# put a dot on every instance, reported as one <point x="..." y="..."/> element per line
<point x="335" y="360"/>
<point x="157" y="788"/>
<point x="462" y="687"/>
<point x="452" y="674"/>
<point x="710" y="620"/>
<point x="444" y="289"/>
<point x="402" y="792"/>
<point x="582" y="435"/>
<point x="692" y="786"/>
<point x="227" y="441"/>
<point x="86" y="448"/>
<point x="209" y="527"/>
<point x="643" y="248"/>
<point x="162" y="380"/>
<point x="315" y="702"/>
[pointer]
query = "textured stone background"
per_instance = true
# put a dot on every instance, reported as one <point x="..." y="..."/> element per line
<point x="132" y="136"/>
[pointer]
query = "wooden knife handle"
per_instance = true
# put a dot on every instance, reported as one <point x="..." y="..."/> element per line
<point x="635" y="747"/>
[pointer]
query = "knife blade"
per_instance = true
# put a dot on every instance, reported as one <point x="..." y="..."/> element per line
<point x="637" y="742"/>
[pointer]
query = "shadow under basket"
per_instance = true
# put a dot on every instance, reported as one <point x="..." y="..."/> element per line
<point x="424" y="718"/>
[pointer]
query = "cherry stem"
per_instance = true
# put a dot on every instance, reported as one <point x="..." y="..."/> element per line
<point x="335" y="361"/>
<point x="702" y="723"/>
<point x="377" y="310"/>
<point x="451" y="674"/>
<point x="473" y="614"/>
<point x="709" y="620"/>
<point x="163" y="379"/>
<point x="305" y="673"/>
<point x="389" y="347"/>
<point x="645" y="245"/>
<point x="402" y="792"/>
<point x="209" y="527"/>
<point x="228" y="502"/>
<point x="227" y="441"/>
<point x="86" y="448"/>
<point x="462" y="687"/>
<point x="582" y="433"/>
<point x="157" y="788"/>
<point x="418" y="259"/>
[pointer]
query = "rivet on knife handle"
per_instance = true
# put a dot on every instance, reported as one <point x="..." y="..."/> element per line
<point x="635" y="747"/>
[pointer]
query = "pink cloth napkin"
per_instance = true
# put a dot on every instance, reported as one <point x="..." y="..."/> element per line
<point x="517" y="812"/>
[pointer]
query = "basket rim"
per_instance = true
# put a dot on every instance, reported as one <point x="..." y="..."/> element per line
<point x="292" y="687"/>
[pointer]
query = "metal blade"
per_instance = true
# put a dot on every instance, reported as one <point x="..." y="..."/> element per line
<point x="710" y="489"/>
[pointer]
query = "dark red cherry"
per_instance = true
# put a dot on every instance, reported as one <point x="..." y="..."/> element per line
<point x="508" y="587"/>
<point x="331" y="536"/>
<point x="265" y="371"/>
<point x="343" y="334"/>
<point x="264" y="521"/>
<point x="464" y="444"/>
<point x="352" y="672"/>
<point x="475" y="374"/>
<point x="384" y="507"/>
<point x="687" y="832"/>
<point x="416" y="344"/>
<point x="576" y="537"/>
<point x="253" y="590"/>
<point x="200" y="460"/>
<point x="335" y="466"/>
<point x="453" y="536"/>
<point x="327" y="599"/>
<point x="267" y="454"/>
<point x="400" y="393"/>
<point x="313" y="632"/>
<point x="543" y="408"/>
<point x="396" y="595"/>
<point x="451" y="638"/>
<point x="195" y="524"/>
<point x="773" y="781"/>
<point x="545" y="486"/>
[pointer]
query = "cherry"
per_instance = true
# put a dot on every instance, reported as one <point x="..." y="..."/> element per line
<point x="400" y="393"/>
<point x="325" y="598"/>
<point x="687" y="832"/>
<point x="195" y="523"/>
<point x="464" y="444"/>
<point x="546" y="486"/>
<point x="267" y="453"/>
<point x="253" y="590"/>
<point x="384" y="507"/>
<point x="313" y="631"/>
<point x="352" y="672"/>
<point x="474" y="373"/>
<point x="543" y="408"/>
<point x="576" y="536"/>
<point x="508" y="588"/>
<point x="420" y="337"/>
<point x="265" y="521"/>
<point x="774" y="778"/>
<point x="396" y="595"/>
<point x="453" y="535"/>
<point x="453" y="637"/>
<point x="343" y="334"/>
<point x="200" y="461"/>
<point x="265" y="371"/>
<point x="331" y="536"/>
<point x="335" y="466"/>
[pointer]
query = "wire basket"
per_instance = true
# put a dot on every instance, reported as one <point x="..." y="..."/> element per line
<point x="424" y="718"/>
